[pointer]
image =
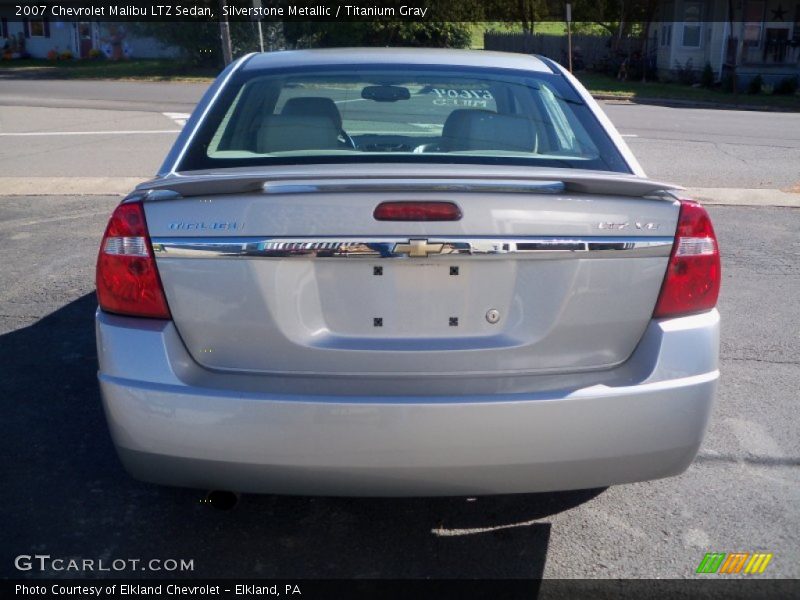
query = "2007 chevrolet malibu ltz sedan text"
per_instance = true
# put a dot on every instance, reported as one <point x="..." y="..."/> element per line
<point x="405" y="272"/>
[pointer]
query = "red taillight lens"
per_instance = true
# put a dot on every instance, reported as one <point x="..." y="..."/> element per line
<point x="693" y="275"/>
<point x="417" y="211"/>
<point x="127" y="278"/>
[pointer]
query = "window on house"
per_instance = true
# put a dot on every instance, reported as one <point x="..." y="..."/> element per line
<point x="666" y="35"/>
<point x="3" y="28"/>
<point x="38" y="28"/>
<point x="667" y="17"/>
<point x="692" y="24"/>
<point x="796" y="34"/>
<point x="753" y="22"/>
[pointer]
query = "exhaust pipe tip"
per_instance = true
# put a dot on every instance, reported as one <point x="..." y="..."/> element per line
<point x="222" y="499"/>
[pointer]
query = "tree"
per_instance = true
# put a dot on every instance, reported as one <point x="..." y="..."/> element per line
<point x="378" y="33"/>
<point x="225" y="34"/>
<point x="530" y="11"/>
<point x="732" y="49"/>
<point x="199" y="41"/>
<point x="651" y="8"/>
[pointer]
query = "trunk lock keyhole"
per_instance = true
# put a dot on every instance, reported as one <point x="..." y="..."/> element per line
<point x="493" y="315"/>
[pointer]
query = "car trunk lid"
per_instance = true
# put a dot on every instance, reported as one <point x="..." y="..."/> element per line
<point x="285" y="273"/>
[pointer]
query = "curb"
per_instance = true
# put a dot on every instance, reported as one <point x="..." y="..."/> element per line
<point x="121" y="186"/>
<point x="69" y="186"/>
<point x="744" y="197"/>
<point x="692" y="103"/>
<point x="46" y="74"/>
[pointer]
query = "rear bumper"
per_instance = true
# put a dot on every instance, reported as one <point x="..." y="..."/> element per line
<point x="171" y="427"/>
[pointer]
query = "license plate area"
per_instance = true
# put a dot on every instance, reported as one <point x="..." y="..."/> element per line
<point x="414" y="298"/>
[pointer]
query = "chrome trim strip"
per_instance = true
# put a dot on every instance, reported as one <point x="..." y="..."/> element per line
<point x="385" y="247"/>
<point x="518" y="186"/>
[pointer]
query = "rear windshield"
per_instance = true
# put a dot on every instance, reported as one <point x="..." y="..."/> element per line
<point x="424" y="114"/>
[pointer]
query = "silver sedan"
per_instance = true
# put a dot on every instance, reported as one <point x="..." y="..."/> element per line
<point x="405" y="272"/>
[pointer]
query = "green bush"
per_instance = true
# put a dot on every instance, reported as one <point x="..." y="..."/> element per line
<point x="754" y="87"/>
<point x="685" y="72"/>
<point x="786" y="86"/>
<point x="707" y="77"/>
<point x="727" y="83"/>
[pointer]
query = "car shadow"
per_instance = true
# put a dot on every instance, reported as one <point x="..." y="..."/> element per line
<point x="65" y="494"/>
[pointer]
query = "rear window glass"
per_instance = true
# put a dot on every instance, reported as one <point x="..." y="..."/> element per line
<point x="426" y="115"/>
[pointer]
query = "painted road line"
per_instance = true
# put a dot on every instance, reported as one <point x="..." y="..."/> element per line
<point x="50" y="133"/>
<point x="443" y="532"/>
<point x="179" y="118"/>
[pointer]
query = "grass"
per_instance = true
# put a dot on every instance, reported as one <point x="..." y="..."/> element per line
<point x="137" y="70"/>
<point x="603" y="84"/>
<point x="541" y="28"/>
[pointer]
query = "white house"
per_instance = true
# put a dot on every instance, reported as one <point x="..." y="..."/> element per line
<point x="40" y="36"/>
<point x="759" y="36"/>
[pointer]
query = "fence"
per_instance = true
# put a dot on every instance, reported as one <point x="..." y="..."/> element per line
<point x="594" y="51"/>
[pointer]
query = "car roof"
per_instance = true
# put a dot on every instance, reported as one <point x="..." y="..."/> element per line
<point x="395" y="56"/>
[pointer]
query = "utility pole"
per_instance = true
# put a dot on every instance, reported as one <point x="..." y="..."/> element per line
<point x="257" y="4"/>
<point x="225" y="34"/>
<point x="569" y="35"/>
<point x="260" y="36"/>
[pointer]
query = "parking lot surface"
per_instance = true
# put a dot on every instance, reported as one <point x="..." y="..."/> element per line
<point x="65" y="494"/>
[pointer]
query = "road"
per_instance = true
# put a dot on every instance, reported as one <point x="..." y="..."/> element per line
<point x="147" y="96"/>
<point x="705" y="148"/>
<point x="696" y="148"/>
<point x="65" y="493"/>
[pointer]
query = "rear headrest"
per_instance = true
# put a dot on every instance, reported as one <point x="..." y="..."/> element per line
<point x="282" y="133"/>
<point x="313" y="106"/>
<point x="474" y="129"/>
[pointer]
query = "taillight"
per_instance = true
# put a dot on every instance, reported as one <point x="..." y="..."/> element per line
<point x="693" y="275"/>
<point x="127" y="278"/>
<point x="417" y="211"/>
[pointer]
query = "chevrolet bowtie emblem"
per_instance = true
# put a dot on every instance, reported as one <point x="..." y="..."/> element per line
<point x="418" y="248"/>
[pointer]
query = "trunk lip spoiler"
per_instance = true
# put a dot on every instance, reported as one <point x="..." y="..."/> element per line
<point x="325" y="180"/>
<point x="394" y="184"/>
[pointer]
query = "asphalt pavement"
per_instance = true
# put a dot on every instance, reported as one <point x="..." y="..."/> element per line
<point x="65" y="493"/>
<point x="712" y="148"/>
<point x="150" y="96"/>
